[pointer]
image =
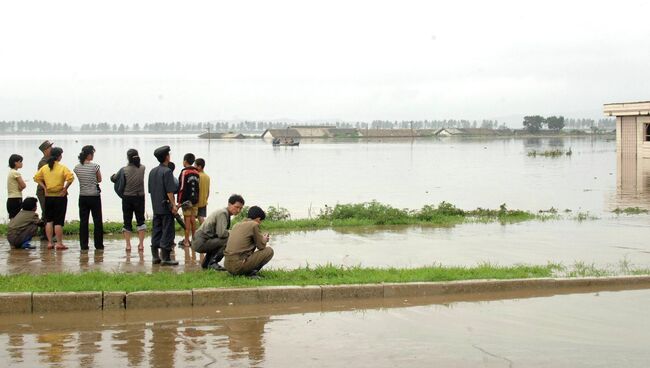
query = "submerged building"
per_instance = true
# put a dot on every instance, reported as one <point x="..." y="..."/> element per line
<point x="632" y="150"/>
<point x="632" y="128"/>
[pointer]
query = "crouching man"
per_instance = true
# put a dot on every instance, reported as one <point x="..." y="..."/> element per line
<point x="24" y="225"/>
<point x="241" y="255"/>
<point x="212" y="235"/>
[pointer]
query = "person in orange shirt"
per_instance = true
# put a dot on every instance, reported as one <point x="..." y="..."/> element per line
<point x="55" y="179"/>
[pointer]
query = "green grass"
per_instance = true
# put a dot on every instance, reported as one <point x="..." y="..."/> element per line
<point x="321" y="275"/>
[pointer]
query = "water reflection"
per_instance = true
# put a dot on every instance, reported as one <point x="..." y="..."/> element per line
<point x="632" y="183"/>
<point x="379" y="332"/>
<point x="130" y="343"/>
<point x="246" y="338"/>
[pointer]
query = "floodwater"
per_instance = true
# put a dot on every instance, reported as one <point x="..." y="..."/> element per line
<point x="404" y="173"/>
<point x="491" y="330"/>
<point x="604" y="243"/>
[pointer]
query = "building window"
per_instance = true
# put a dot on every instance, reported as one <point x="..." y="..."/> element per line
<point x="647" y="132"/>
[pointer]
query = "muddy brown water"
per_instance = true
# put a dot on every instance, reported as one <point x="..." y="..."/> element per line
<point x="584" y="329"/>
<point x="605" y="243"/>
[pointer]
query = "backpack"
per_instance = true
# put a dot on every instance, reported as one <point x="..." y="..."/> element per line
<point x="189" y="185"/>
<point x="119" y="180"/>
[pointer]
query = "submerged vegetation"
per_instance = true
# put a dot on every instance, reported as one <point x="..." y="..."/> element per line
<point x="379" y="214"/>
<point x="550" y="153"/>
<point x="369" y="214"/>
<point x="630" y="211"/>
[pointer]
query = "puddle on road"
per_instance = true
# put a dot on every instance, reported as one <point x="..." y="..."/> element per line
<point x="605" y="243"/>
<point x="574" y="330"/>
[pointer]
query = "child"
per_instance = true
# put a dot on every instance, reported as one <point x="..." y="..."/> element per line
<point x="23" y="226"/>
<point x="204" y="190"/>
<point x="188" y="191"/>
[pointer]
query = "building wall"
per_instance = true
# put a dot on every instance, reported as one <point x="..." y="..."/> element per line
<point x="643" y="147"/>
<point x="629" y="133"/>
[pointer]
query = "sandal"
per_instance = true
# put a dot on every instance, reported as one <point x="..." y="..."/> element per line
<point x="61" y="247"/>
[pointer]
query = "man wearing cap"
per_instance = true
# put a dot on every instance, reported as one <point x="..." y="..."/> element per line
<point x="162" y="188"/>
<point x="46" y="148"/>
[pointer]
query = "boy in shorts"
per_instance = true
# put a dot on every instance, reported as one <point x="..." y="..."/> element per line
<point x="188" y="196"/>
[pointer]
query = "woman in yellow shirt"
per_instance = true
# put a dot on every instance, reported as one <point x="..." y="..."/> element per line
<point x="55" y="179"/>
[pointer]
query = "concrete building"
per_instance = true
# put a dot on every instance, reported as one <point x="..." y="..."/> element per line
<point x="632" y="150"/>
<point x="632" y="128"/>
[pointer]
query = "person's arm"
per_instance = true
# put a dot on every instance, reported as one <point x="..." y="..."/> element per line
<point x="220" y="227"/>
<point x="208" y="189"/>
<point x="98" y="174"/>
<point x="260" y="240"/>
<point x="69" y="178"/>
<point x="170" y="189"/>
<point x="21" y="182"/>
<point x="39" y="179"/>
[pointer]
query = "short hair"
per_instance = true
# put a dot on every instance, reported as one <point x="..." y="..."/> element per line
<point x="189" y="158"/>
<point x="256" y="212"/>
<point x="13" y="159"/>
<point x="29" y="204"/>
<point x="236" y="198"/>
<point x="200" y="162"/>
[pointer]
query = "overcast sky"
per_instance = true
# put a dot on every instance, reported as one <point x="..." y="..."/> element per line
<point x="142" y="61"/>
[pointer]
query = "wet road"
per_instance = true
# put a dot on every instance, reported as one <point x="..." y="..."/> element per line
<point x="500" y="330"/>
<point x="605" y="243"/>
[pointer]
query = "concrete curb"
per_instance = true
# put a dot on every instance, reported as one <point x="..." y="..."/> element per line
<point x="67" y="301"/>
<point x="118" y="300"/>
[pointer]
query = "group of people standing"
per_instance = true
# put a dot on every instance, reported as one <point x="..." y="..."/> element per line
<point x="244" y="247"/>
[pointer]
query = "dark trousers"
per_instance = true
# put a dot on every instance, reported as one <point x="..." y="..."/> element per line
<point x="241" y="265"/>
<point x="212" y="247"/>
<point x="163" y="232"/>
<point x="91" y="205"/>
<point x="133" y="205"/>
<point x="13" y="206"/>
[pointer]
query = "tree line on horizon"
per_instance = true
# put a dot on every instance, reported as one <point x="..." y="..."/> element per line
<point x="532" y="123"/>
<point x="535" y="123"/>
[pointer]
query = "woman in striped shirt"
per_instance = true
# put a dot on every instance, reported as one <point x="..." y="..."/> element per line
<point x="90" y="201"/>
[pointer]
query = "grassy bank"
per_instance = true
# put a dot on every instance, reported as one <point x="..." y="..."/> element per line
<point x="363" y="214"/>
<point x="322" y="275"/>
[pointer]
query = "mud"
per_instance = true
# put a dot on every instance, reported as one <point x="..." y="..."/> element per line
<point x="500" y="330"/>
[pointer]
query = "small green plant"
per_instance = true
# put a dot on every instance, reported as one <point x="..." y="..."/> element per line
<point x="550" y="153"/>
<point x="277" y="214"/>
<point x="630" y="211"/>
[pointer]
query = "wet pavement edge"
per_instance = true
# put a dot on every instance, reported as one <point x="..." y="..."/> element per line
<point x="51" y="302"/>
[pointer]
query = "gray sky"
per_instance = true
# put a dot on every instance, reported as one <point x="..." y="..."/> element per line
<point x="140" y="61"/>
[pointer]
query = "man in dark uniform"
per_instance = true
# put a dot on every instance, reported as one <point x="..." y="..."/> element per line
<point x="45" y="147"/>
<point x="162" y="188"/>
